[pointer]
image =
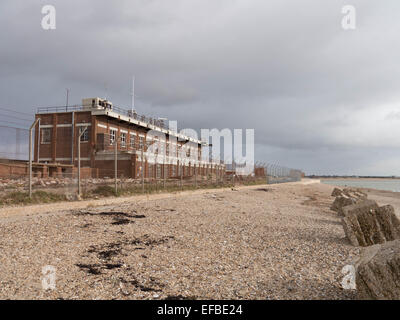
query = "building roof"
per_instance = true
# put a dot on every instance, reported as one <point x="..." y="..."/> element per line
<point x="120" y="114"/>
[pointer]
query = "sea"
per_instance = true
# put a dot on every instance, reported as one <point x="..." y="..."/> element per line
<point x="380" y="184"/>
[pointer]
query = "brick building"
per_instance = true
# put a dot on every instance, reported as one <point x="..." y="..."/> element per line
<point x="166" y="153"/>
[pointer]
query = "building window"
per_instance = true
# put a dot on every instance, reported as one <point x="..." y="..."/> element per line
<point x="46" y="135"/>
<point x="141" y="142"/>
<point x="166" y="171"/>
<point x="132" y="141"/>
<point x="156" y="146"/>
<point x="162" y="147"/>
<point x="139" y="172"/>
<point x="179" y="151"/>
<point x="158" y="172"/>
<point x="123" y="140"/>
<point x="113" y="135"/>
<point x="85" y="135"/>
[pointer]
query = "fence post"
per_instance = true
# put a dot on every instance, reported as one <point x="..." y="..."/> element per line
<point x="30" y="156"/>
<point x="164" y="176"/>
<point x="142" y="169"/>
<point x="79" y="159"/>
<point x="116" y="165"/>
<point x="233" y="172"/>
<point x="79" y="165"/>
<point x="266" y="172"/>
<point x="181" y="175"/>
<point x="195" y="175"/>
<point x="155" y="170"/>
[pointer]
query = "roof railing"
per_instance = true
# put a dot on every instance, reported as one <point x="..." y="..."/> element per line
<point x="128" y="113"/>
<point x="116" y="109"/>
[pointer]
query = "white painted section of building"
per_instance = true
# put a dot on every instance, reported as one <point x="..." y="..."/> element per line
<point x="83" y="124"/>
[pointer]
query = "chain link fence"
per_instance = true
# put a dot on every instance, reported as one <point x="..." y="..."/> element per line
<point x="277" y="174"/>
<point x="117" y="165"/>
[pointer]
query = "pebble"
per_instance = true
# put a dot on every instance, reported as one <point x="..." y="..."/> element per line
<point x="269" y="246"/>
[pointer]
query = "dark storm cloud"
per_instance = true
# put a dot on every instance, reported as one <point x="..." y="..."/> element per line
<point x="318" y="97"/>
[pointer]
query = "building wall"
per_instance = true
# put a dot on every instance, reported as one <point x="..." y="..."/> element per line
<point x="64" y="129"/>
<point x="9" y="170"/>
<point x="96" y="152"/>
<point x="105" y="168"/>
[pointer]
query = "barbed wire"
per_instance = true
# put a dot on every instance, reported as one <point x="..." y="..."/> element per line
<point x="15" y="111"/>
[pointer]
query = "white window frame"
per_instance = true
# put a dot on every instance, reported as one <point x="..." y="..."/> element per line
<point x="158" y="171"/>
<point x="113" y="135"/>
<point x="85" y="135"/>
<point x="132" y="140"/>
<point x="123" y="139"/>
<point x="141" y="142"/>
<point x="43" y="136"/>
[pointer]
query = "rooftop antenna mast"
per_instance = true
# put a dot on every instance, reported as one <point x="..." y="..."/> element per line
<point x="106" y="87"/>
<point x="66" y="105"/>
<point x="133" y="94"/>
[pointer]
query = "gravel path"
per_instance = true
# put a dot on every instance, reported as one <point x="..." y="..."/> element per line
<point x="265" y="242"/>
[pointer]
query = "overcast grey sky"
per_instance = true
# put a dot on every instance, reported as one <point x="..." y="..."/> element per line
<point x="319" y="97"/>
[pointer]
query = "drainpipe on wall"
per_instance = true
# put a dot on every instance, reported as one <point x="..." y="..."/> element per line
<point x="30" y="156"/>
<point x="73" y="133"/>
<point x="38" y="143"/>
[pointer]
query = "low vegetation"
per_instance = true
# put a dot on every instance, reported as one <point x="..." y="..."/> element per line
<point x="22" y="198"/>
<point x="104" y="191"/>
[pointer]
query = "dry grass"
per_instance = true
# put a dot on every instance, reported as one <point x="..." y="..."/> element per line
<point x="22" y="198"/>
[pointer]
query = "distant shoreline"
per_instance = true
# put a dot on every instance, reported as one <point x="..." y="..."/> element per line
<point x="370" y="183"/>
<point x="355" y="178"/>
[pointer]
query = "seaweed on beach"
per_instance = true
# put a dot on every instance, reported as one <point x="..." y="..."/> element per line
<point x="153" y="284"/>
<point x="263" y="189"/>
<point x="147" y="241"/>
<point x="90" y="268"/>
<point x="180" y="297"/>
<point x="121" y="221"/>
<point x="96" y="268"/>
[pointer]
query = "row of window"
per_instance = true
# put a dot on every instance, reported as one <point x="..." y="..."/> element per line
<point x="175" y="171"/>
<point x="113" y="135"/>
<point x="46" y="135"/>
